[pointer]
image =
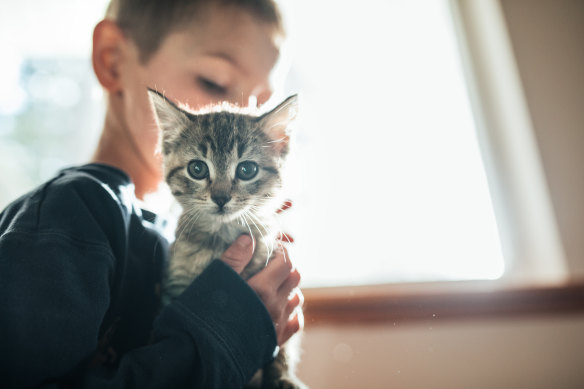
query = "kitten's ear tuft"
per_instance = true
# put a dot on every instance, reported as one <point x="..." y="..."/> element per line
<point x="277" y="123"/>
<point x="169" y="117"/>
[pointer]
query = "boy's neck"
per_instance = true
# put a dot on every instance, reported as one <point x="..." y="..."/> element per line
<point x="118" y="148"/>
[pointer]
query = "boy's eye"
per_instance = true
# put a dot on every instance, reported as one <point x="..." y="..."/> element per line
<point x="198" y="169"/>
<point x="247" y="170"/>
<point x="211" y="87"/>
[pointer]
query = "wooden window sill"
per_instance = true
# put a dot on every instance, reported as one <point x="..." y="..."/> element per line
<point x="453" y="300"/>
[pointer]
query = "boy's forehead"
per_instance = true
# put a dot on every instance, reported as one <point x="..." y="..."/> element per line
<point x="233" y="34"/>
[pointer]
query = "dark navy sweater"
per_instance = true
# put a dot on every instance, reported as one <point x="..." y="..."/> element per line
<point x="80" y="273"/>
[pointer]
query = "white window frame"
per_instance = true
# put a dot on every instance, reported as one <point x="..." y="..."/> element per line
<point x="527" y="224"/>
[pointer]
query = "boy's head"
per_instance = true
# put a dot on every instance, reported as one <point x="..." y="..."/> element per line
<point x="244" y="32"/>
<point x="147" y="23"/>
<point x="196" y="52"/>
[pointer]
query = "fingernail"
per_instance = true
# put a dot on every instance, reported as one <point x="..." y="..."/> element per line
<point x="244" y="241"/>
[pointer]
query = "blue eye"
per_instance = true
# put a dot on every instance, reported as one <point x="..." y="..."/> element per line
<point x="247" y="170"/>
<point x="198" y="169"/>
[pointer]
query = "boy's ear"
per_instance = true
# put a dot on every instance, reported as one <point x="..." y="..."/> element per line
<point x="108" y="40"/>
<point x="277" y="123"/>
<point x="170" y="118"/>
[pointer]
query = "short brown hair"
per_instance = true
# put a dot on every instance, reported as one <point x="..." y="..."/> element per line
<point x="148" y="22"/>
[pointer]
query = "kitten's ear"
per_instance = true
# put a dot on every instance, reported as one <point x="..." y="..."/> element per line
<point x="170" y="118"/>
<point x="276" y="123"/>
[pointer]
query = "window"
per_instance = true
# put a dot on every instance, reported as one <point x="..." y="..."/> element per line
<point x="416" y="159"/>
<point x="389" y="181"/>
<point x="51" y="107"/>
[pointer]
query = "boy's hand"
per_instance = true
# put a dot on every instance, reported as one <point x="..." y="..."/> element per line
<point x="276" y="285"/>
<point x="238" y="255"/>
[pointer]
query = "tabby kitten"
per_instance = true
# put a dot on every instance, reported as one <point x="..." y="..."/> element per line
<point x="224" y="168"/>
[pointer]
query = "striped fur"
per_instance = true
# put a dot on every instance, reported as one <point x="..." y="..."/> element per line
<point x="222" y="138"/>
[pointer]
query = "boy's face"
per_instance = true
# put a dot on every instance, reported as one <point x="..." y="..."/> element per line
<point x="224" y="55"/>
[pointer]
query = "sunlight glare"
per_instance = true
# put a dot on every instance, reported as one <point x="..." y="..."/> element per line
<point x="389" y="183"/>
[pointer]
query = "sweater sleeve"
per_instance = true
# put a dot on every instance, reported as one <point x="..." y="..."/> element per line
<point x="215" y="335"/>
<point x="56" y="286"/>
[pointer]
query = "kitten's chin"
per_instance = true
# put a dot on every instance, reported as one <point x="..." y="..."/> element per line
<point x="223" y="216"/>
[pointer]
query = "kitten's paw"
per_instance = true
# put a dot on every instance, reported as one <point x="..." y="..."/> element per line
<point x="285" y="383"/>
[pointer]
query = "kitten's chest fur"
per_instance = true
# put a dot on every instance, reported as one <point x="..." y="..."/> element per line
<point x="195" y="248"/>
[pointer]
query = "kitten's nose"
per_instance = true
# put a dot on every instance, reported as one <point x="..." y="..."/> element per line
<point x="221" y="199"/>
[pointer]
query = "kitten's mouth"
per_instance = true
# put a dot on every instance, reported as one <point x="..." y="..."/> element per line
<point x="223" y="209"/>
<point x="225" y="213"/>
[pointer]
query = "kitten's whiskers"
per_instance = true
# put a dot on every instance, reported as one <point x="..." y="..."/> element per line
<point x="270" y="245"/>
<point x="193" y="215"/>
<point x="249" y="229"/>
<point x="252" y="216"/>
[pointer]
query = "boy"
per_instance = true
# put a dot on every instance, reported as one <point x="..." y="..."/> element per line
<point x="80" y="263"/>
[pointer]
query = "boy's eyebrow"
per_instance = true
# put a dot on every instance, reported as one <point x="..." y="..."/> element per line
<point x="231" y="59"/>
<point x="225" y="56"/>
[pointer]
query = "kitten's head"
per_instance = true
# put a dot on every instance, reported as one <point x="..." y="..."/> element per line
<point x="224" y="163"/>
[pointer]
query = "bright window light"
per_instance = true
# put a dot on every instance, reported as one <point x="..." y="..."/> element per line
<point x="387" y="176"/>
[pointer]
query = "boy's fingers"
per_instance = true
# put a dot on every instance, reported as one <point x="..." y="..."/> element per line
<point x="295" y="302"/>
<point x="293" y="326"/>
<point x="274" y="285"/>
<point x="283" y="237"/>
<point x="238" y="255"/>
<point x="276" y="271"/>
<point x="287" y="204"/>
<point x="291" y="282"/>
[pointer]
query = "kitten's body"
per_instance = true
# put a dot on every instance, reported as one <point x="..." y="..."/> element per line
<point x="223" y="167"/>
<point x="195" y="248"/>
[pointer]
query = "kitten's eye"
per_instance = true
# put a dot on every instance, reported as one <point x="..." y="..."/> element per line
<point x="211" y="87"/>
<point x="247" y="170"/>
<point x="198" y="169"/>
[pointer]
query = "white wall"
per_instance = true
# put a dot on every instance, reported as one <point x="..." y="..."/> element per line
<point x="529" y="353"/>
<point x="548" y="41"/>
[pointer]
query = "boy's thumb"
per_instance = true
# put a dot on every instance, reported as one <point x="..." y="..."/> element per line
<point x="238" y="255"/>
